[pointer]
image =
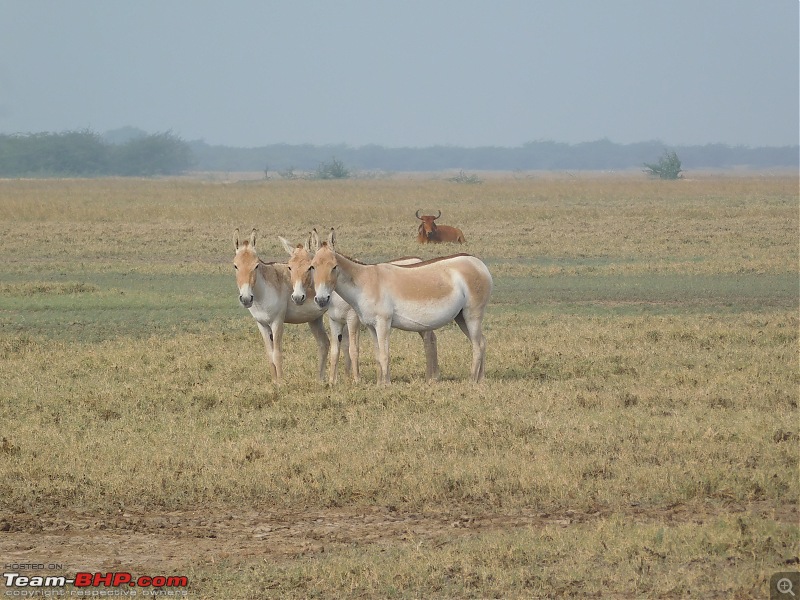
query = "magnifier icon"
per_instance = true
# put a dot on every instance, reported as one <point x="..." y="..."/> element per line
<point x="785" y="586"/>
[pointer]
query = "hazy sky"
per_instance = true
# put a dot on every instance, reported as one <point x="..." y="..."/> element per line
<point x="405" y="72"/>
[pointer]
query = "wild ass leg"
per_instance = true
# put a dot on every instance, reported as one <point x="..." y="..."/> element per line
<point x="473" y="330"/>
<point x="383" y="330"/>
<point x="266" y="333"/>
<point x="353" y="333"/>
<point x="277" y="350"/>
<point x="323" y="344"/>
<point x="380" y="335"/>
<point x="345" y="344"/>
<point x="337" y="337"/>
<point x="431" y="355"/>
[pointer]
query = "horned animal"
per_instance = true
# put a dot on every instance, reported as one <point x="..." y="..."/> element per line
<point x="430" y="232"/>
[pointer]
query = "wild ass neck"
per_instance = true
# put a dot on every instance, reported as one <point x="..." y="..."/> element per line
<point x="347" y="281"/>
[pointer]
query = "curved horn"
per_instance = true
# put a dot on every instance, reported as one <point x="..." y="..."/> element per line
<point x="437" y="216"/>
<point x="417" y="214"/>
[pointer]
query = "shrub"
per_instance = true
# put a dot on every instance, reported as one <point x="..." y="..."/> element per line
<point x="331" y="170"/>
<point x="465" y="178"/>
<point x="668" y="167"/>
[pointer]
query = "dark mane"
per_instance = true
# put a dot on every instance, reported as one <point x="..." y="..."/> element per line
<point x="335" y="251"/>
<point x="411" y="266"/>
<point x="351" y="259"/>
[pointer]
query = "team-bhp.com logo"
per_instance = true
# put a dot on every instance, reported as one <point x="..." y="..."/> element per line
<point x="122" y="584"/>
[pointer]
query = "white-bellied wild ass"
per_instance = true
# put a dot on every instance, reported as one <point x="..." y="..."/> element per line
<point x="419" y="297"/>
<point x="265" y="289"/>
<point x="344" y="322"/>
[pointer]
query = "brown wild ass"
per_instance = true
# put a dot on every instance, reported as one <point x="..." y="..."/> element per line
<point x="419" y="297"/>
<point x="343" y="320"/>
<point x="265" y="290"/>
<point x="431" y="233"/>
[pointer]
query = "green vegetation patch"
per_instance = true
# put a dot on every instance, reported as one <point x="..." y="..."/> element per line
<point x="31" y="288"/>
<point x="662" y="293"/>
<point x="106" y="305"/>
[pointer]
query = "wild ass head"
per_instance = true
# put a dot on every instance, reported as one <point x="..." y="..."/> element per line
<point x="246" y="263"/>
<point x="325" y="271"/>
<point x="299" y="265"/>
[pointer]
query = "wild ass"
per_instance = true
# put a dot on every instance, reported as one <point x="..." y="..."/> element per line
<point x="344" y="322"/>
<point x="265" y="290"/>
<point x="420" y="297"/>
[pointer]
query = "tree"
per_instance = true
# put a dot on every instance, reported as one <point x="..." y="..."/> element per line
<point x="668" y="166"/>
<point x="71" y="153"/>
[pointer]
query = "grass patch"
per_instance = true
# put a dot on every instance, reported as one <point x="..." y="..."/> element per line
<point x="563" y="559"/>
<point x="636" y="434"/>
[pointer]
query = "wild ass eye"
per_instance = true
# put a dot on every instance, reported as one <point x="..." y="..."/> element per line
<point x="236" y="267"/>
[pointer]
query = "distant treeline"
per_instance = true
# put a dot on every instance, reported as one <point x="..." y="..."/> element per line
<point x="132" y="152"/>
<point x="87" y="154"/>
<point x="544" y="155"/>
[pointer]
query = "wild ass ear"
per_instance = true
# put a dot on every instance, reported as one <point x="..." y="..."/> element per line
<point x="312" y="243"/>
<point x="253" y="238"/>
<point x="332" y="239"/>
<point x="287" y="245"/>
<point x="237" y="243"/>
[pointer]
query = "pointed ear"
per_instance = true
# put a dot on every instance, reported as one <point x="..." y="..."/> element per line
<point x="332" y="239"/>
<point x="287" y="245"/>
<point x="313" y="241"/>
<point x="236" y="239"/>
<point x="253" y="238"/>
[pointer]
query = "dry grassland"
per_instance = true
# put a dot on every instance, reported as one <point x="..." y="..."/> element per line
<point x="636" y="435"/>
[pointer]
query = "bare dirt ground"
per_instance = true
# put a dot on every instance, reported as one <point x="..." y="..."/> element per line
<point x="167" y="542"/>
